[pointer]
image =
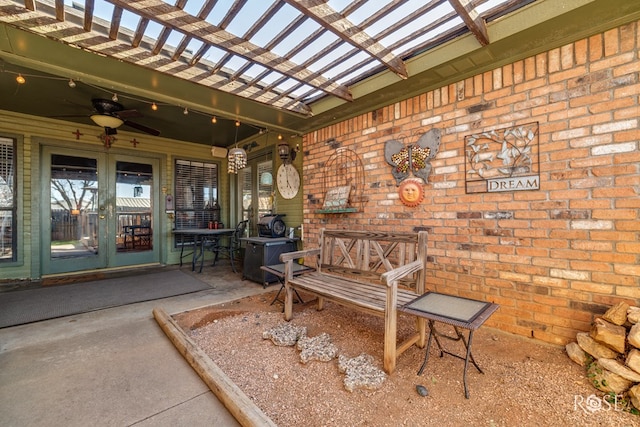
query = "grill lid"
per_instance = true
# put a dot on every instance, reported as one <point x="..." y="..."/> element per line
<point x="271" y="226"/>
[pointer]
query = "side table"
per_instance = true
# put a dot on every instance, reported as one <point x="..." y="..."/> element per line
<point x="278" y="271"/>
<point x="456" y="311"/>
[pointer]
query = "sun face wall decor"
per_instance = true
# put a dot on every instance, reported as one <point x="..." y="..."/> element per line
<point x="411" y="192"/>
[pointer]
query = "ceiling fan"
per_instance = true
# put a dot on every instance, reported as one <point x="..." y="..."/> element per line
<point x="111" y="115"/>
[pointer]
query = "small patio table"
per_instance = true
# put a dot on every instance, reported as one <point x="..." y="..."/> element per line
<point x="456" y="311"/>
<point x="278" y="271"/>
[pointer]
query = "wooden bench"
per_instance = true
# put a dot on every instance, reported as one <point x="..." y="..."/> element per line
<point x="375" y="272"/>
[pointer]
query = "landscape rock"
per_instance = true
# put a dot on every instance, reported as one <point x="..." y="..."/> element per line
<point x="593" y="347"/>
<point x="422" y="390"/>
<point x="605" y="380"/>
<point x="619" y="369"/>
<point x="633" y="360"/>
<point x="617" y="314"/>
<point x="634" y="335"/>
<point x="633" y="314"/>
<point x="360" y="372"/>
<point x="577" y="354"/>
<point x="634" y="395"/>
<point x="613" y="336"/>
<point x="316" y="348"/>
<point x="285" y="334"/>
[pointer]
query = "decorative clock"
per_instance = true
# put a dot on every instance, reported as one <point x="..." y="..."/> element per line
<point x="288" y="180"/>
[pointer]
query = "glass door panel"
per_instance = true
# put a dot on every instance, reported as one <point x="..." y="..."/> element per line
<point x="74" y="221"/>
<point x="133" y="227"/>
<point x="258" y="197"/>
<point x="134" y="219"/>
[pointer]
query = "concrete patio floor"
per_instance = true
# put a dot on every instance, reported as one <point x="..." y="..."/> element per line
<point x="112" y="367"/>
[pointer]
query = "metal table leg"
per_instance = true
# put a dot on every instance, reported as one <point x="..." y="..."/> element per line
<point x="434" y="334"/>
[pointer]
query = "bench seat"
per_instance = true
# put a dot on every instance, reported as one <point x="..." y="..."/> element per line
<point x="376" y="273"/>
<point x="364" y="296"/>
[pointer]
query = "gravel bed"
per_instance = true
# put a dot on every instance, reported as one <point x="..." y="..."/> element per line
<point x="525" y="382"/>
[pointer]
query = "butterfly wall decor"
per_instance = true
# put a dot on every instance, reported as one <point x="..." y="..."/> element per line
<point x="413" y="158"/>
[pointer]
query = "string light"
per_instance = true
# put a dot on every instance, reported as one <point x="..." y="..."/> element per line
<point x="21" y="79"/>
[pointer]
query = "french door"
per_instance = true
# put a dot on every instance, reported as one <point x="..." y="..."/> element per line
<point x="99" y="210"/>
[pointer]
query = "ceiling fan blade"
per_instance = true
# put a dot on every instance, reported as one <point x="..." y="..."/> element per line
<point x="67" y="115"/>
<point x="128" y="114"/>
<point x="142" y="128"/>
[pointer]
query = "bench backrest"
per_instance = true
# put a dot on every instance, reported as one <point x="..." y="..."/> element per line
<point x="366" y="255"/>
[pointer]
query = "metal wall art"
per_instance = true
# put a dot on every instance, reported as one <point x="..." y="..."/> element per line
<point x="410" y="165"/>
<point x="343" y="183"/>
<point x="503" y="160"/>
<point x="413" y="158"/>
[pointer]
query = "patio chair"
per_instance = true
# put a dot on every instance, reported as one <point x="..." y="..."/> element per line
<point x="232" y="245"/>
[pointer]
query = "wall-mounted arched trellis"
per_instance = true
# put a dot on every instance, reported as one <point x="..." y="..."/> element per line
<point x="343" y="184"/>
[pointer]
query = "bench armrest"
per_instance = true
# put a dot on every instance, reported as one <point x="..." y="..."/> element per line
<point x="287" y="256"/>
<point x="392" y="276"/>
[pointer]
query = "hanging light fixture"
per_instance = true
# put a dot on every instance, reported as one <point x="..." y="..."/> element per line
<point x="237" y="157"/>
<point x="266" y="178"/>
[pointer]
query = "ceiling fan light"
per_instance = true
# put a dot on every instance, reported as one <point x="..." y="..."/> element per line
<point x="105" y="121"/>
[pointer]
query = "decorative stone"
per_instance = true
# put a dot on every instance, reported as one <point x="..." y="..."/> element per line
<point x="633" y="360"/>
<point x="606" y="381"/>
<point x="577" y="354"/>
<point x="634" y="335"/>
<point x="634" y="395"/>
<point x="594" y="348"/>
<point x="613" y="336"/>
<point x="633" y="314"/>
<point x="360" y="372"/>
<point x="617" y="314"/>
<point x="619" y="369"/>
<point x="316" y="348"/>
<point x="422" y="390"/>
<point x="285" y="334"/>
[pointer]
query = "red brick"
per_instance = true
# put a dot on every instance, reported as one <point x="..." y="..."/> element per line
<point x="573" y="92"/>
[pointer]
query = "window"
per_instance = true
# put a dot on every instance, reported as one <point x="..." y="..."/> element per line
<point x="196" y="194"/>
<point x="8" y="201"/>
<point x="256" y="184"/>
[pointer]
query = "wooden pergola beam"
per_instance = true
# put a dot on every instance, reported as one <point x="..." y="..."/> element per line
<point x="176" y="19"/>
<point x="472" y="20"/>
<point x="339" y="25"/>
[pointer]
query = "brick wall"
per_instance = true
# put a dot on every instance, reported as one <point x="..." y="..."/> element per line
<point x="552" y="258"/>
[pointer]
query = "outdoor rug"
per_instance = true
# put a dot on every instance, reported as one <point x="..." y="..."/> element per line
<point x="33" y="305"/>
